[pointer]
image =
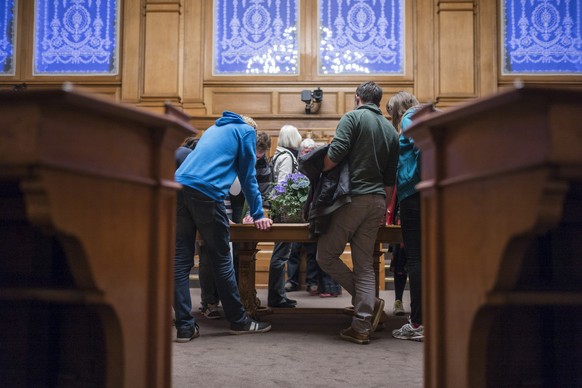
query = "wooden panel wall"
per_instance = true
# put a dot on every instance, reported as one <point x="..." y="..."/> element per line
<point x="162" y="50"/>
<point x="452" y="55"/>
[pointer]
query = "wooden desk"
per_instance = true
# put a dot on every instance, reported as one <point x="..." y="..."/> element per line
<point x="87" y="218"/>
<point x="502" y="254"/>
<point x="248" y="236"/>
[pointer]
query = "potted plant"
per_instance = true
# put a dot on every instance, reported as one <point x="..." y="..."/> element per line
<point x="288" y="198"/>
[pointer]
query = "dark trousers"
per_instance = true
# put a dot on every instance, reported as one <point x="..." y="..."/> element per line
<point x="196" y="212"/>
<point x="276" y="293"/>
<point x="398" y="267"/>
<point x="411" y="234"/>
<point x="311" y="267"/>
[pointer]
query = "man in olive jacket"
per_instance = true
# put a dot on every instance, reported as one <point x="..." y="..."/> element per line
<point x="370" y="144"/>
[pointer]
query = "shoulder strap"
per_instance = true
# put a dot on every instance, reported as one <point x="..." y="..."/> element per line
<point x="293" y="158"/>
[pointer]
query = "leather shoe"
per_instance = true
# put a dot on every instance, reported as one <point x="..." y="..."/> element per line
<point x="291" y="301"/>
<point x="351" y="335"/>
<point x="285" y="305"/>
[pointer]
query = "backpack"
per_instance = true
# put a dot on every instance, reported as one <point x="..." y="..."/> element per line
<point x="293" y="158"/>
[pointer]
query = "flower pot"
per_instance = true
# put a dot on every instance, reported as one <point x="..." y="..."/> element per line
<point x="292" y="218"/>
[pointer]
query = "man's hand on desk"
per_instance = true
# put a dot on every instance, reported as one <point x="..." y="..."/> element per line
<point x="261" y="224"/>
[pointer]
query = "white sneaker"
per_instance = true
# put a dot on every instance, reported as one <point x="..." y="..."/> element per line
<point x="407" y="332"/>
<point x="398" y="308"/>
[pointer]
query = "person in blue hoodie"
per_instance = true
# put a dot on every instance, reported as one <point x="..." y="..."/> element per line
<point x="401" y="107"/>
<point x="226" y="150"/>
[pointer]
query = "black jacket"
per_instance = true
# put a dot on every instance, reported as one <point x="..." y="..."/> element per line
<point x="328" y="190"/>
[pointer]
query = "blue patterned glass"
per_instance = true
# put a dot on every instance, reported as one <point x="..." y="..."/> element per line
<point x="76" y="37"/>
<point x="542" y="37"/>
<point x="255" y="37"/>
<point x="7" y="35"/>
<point x="361" y="37"/>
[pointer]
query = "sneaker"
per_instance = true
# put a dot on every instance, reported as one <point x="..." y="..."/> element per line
<point x="211" y="312"/>
<point x="378" y="310"/>
<point x="290" y="287"/>
<point x="185" y="335"/>
<point x="351" y="335"/>
<point x="398" y="308"/>
<point x="251" y="327"/>
<point x="327" y="295"/>
<point x="312" y="289"/>
<point x="407" y="332"/>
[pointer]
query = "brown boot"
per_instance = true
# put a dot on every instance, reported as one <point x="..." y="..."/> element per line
<point x="378" y="310"/>
<point x="351" y="335"/>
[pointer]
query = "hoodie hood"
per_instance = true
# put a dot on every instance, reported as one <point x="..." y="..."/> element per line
<point x="229" y="118"/>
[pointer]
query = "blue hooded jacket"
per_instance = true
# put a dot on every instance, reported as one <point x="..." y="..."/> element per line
<point x="408" y="172"/>
<point x="226" y="150"/>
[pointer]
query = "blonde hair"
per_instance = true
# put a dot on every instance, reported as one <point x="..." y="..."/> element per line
<point x="398" y="105"/>
<point x="249" y="121"/>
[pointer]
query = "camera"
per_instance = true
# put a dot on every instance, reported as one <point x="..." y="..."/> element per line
<point x="306" y="96"/>
<point x="312" y="100"/>
<point x="317" y="95"/>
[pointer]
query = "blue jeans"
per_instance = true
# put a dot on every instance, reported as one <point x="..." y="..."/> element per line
<point x="277" y="294"/>
<point x="196" y="212"/>
<point x="294" y="264"/>
<point x="208" y="292"/>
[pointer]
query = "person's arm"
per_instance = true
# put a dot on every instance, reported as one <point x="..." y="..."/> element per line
<point x="389" y="190"/>
<point x="340" y="144"/>
<point x="328" y="164"/>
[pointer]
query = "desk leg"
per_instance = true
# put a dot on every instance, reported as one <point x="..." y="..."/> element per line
<point x="380" y="275"/>
<point x="378" y="270"/>
<point x="246" y="277"/>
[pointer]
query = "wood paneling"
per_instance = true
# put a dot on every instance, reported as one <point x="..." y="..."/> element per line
<point x="456" y="74"/>
<point x="451" y="55"/>
<point x="162" y="50"/>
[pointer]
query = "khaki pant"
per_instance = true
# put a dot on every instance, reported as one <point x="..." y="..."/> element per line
<point x="357" y="223"/>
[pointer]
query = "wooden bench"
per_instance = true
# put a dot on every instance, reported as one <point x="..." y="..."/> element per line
<point x="248" y="237"/>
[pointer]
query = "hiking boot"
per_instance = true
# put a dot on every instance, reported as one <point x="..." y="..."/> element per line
<point x="251" y="327"/>
<point x="211" y="312"/>
<point x="398" y="308"/>
<point x="378" y="310"/>
<point x="407" y="332"/>
<point x="185" y="335"/>
<point x="351" y="335"/>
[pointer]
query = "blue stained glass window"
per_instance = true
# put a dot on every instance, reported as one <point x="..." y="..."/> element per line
<point x="541" y="37"/>
<point x="255" y="37"/>
<point x="76" y="37"/>
<point x="7" y="36"/>
<point x="361" y="37"/>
